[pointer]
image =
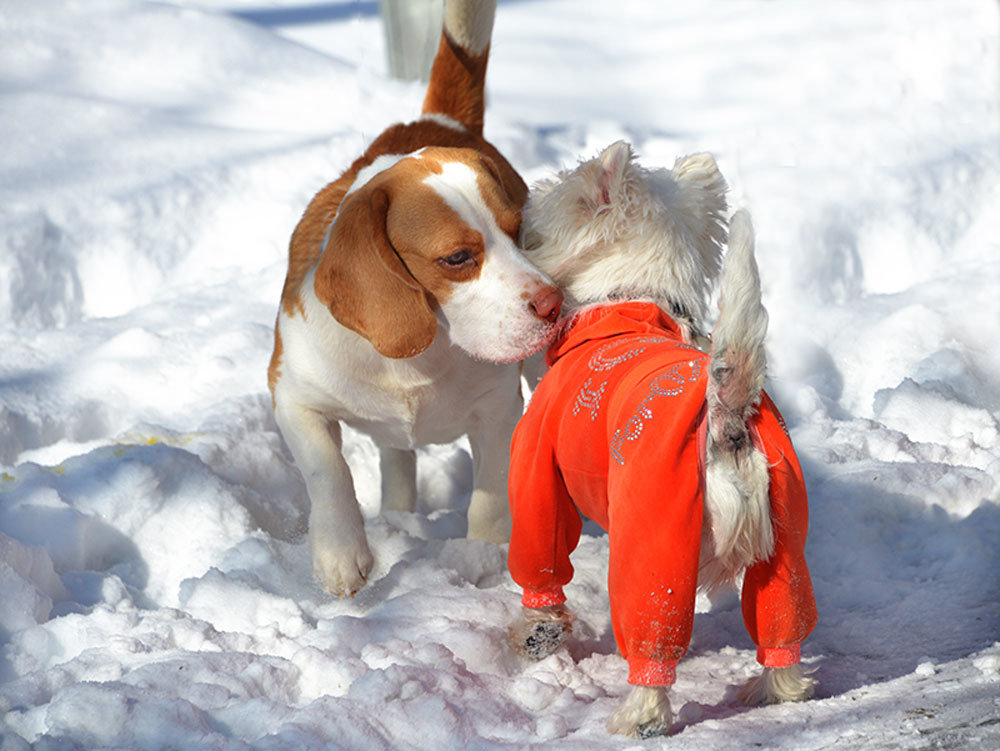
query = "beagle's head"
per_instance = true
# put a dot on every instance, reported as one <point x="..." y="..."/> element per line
<point x="612" y="230"/>
<point x="429" y="238"/>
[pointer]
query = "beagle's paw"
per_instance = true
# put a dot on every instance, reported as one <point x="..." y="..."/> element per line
<point x="646" y="713"/>
<point x="343" y="569"/>
<point x="539" y="632"/>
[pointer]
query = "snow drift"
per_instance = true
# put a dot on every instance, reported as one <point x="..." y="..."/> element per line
<point x="155" y="588"/>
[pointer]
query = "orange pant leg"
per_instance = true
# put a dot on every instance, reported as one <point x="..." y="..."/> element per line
<point x="779" y="609"/>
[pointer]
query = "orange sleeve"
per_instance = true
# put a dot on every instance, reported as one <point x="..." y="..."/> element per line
<point x="546" y="524"/>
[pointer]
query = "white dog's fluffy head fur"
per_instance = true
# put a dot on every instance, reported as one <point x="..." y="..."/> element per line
<point x="611" y="230"/>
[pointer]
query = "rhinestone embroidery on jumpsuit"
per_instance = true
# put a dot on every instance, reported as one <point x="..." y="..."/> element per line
<point x="599" y="363"/>
<point x="669" y="383"/>
<point x="590" y="398"/>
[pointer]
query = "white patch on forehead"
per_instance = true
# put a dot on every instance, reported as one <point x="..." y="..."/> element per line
<point x="456" y="184"/>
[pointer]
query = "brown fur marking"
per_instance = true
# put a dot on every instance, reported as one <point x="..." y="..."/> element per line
<point x="457" y="87"/>
<point x="274" y="367"/>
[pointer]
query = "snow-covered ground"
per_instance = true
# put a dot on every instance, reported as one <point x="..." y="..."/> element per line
<point x="155" y="587"/>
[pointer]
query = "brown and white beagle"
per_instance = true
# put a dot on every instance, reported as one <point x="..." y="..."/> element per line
<point x="406" y="307"/>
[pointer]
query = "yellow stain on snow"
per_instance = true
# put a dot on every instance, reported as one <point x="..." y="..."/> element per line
<point x="132" y="440"/>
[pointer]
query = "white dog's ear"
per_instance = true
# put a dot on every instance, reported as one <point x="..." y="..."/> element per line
<point x="702" y="206"/>
<point x="613" y="161"/>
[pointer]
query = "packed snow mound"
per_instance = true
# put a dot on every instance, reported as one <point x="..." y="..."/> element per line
<point x="155" y="580"/>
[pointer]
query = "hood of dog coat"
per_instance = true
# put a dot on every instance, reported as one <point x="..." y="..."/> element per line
<point x="606" y="321"/>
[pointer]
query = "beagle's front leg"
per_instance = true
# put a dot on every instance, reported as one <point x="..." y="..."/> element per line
<point x="340" y="553"/>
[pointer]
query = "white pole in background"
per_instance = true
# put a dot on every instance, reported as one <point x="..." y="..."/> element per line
<point x="412" y="32"/>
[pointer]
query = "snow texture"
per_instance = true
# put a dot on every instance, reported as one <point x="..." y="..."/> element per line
<point x="155" y="585"/>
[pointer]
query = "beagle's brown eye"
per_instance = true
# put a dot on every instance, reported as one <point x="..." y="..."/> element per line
<point x="459" y="259"/>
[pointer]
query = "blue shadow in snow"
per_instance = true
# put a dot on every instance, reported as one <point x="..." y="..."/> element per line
<point x="303" y="15"/>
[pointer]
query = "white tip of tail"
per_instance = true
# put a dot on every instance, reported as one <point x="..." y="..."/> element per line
<point x="470" y="23"/>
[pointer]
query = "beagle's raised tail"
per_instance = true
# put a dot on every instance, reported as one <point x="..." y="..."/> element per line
<point x="458" y="77"/>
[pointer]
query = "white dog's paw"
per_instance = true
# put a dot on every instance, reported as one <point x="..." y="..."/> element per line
<point x="776" y="685"/>
<point x="343" y="569"/>
<point x="539" y="632"/>
<point x="646" y="713"/>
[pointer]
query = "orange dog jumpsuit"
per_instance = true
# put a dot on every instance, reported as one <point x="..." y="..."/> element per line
<point x="615" y="431"/>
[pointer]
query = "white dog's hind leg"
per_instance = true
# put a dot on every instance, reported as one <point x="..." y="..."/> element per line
<point x="645" y="713"/>
<point x="776" y="685"/>
<point x="399" y="479"/>
<point x="538" y="632"/>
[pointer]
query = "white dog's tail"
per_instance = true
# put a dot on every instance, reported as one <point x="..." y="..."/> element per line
<point x="737" y="500"/>
<point x="457" y="86"/>
<point x="738" y="359"/>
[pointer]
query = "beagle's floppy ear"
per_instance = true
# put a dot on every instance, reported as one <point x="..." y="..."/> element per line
<point x="365" y="284"/>
<point x="511" y="193"/>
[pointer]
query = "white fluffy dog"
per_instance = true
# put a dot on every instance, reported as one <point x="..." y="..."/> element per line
<point x="644" y="247"/>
